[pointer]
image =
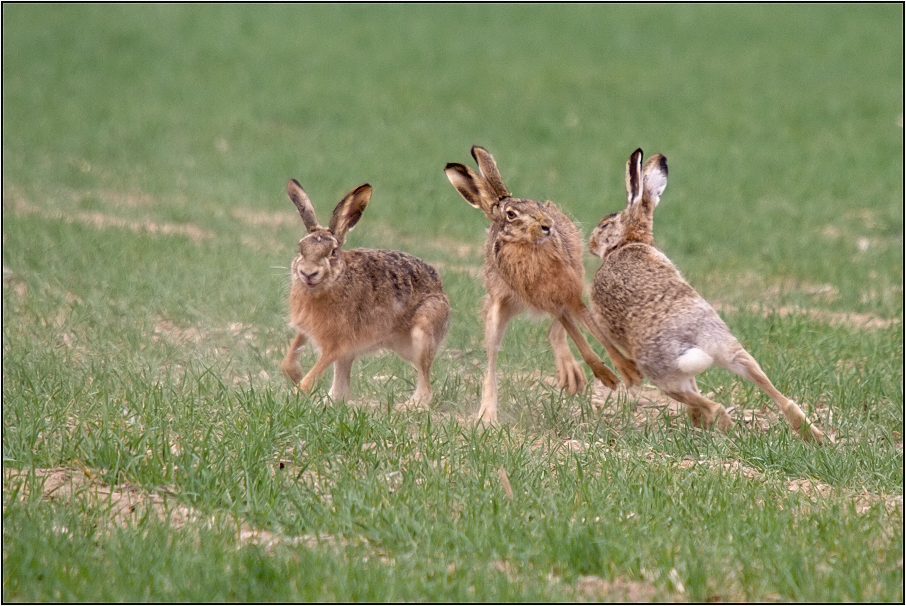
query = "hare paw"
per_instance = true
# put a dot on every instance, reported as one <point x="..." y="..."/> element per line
<point x="571" y="378"/>
<point x="291" y="371"/>
<point x="305" y="386"/>
<point x="487" y="414"/>
<point x="605" y="375"/>
<point x="630" y="373"/>
<point x="724" y="422"/>
<point x="815" y="435"/>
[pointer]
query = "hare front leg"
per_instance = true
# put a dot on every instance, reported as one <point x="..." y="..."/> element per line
<point x="290" y="365"/>
<point x="498" y="313"/>
<point x="624" y="365"/>
<point x="308" y="382"/>
<point x="570" y="375"/>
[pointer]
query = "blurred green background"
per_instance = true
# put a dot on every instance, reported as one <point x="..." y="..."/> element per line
<point x="782" y="123"/>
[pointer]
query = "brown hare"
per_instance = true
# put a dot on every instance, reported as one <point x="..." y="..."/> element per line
<point x="646" y="307"/>
<point x="533" y="261"/>
<point x="350" y="302"/>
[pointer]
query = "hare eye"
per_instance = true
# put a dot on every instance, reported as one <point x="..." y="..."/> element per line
<point x="511" y="214"/>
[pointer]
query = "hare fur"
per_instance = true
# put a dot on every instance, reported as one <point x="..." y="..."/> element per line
<point x="533" y="261"/>
<point x="351" y="302"/>
<point x="646" y="307"/>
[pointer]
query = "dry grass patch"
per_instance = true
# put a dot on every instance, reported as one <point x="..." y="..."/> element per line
<point x="861" y="321"/>
<point x="270" y="220"/>
<point x="16" y="202"/>
<point x="179" y="335"/>
<point x="737" y="291"/>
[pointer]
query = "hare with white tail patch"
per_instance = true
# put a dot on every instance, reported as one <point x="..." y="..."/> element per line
<point x="647" y="308"/>
<point x="533" y="261"/>
<point x="350" y="302"/>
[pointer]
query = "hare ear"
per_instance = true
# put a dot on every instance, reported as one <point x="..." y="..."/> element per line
<point x="348" y="212"/>
<point x="489" y="171"/>
<point x="654" y="178"/>
<point x="472" y="187"/>
<point x="303" y="204"/>
<point x="633" y="178"/>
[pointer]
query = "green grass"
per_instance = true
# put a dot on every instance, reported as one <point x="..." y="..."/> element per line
<point x="146" y="236"/>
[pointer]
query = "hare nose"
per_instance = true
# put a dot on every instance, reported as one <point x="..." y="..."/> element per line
<point x="545" y="229"/>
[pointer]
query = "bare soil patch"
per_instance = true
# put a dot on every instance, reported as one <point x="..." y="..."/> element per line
<point x="591" y="588"/>
<point x="124" y="503"/>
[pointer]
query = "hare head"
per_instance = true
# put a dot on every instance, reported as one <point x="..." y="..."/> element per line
<point x="644" y="186"/>
<point x="320" y="259"/>
<point x="517" y="219"/>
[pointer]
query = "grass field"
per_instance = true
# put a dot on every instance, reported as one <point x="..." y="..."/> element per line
<point x="151" y="449"/>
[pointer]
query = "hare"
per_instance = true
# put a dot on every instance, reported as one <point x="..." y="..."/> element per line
<point x="646" y="307"/>
<point x="533" y="261"/>
<point x="350" y="302"/>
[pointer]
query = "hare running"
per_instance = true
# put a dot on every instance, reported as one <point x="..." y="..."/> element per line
<point x="647" y="308"/>
<point x="533" y="261"/>
<point x="350" y="302"/>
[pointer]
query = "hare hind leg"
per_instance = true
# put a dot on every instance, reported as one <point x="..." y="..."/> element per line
<point x="570" y="375"/>
<point x="342" y="370"/>
<point x="702" y="411"/>
<point x="421" y="354"/>
<point x="420" y="345"/>
<point x="744" y="365"/>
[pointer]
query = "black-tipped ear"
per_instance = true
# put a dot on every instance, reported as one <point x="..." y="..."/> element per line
<point x="466" y="182"/>
<point x="654" y="178"/>
<point x="634" y="178"/>
<point x="489" y="171"/>
<point x="303" y="204"/>
<point x="348" y="212"/>
<point x="472" y="187"/>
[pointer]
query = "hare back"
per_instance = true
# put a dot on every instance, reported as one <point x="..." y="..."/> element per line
<point x="377" y="295"/>
<point x="649" y="310"/>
